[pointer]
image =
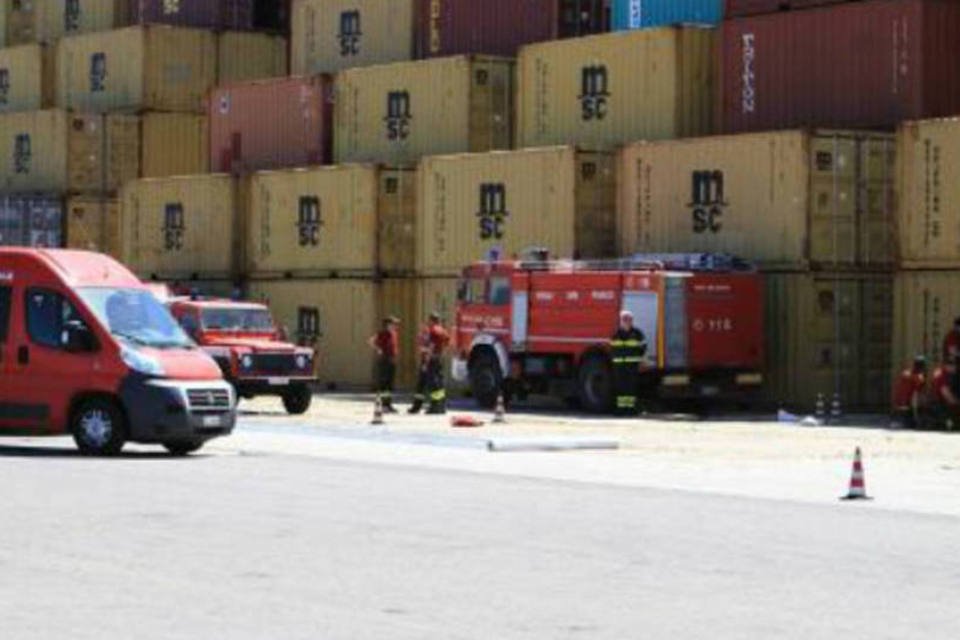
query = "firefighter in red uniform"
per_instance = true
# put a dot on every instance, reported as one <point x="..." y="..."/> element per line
<point x="433" y="343"/>
<point x="628" y="346"/>
<point x="944" y="402"/>
<point x="951" y="352"/>
<point x="909" y="394"/>
<point x="385" y="343"/>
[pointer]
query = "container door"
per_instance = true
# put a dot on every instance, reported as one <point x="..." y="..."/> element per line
<point x="675" y="323"/>
<point x="645" y="307"/>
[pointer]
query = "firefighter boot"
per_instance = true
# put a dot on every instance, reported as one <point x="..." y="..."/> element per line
<point x="437" y="408"/>
<point x="388" y="405"/>
<point x="416" y="406"/>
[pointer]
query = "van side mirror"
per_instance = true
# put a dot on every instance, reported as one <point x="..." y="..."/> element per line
<point x="77" y="338"/>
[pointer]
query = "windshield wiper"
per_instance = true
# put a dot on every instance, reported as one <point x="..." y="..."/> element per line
<point x="131" y="338"/>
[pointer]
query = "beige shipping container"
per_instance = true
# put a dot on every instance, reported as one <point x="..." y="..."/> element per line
<point x="603" y="91"/>
<point x="93" y="224"/>
<point x="180" y="227"/>
<point x="332" y="35"/>
<point x="829" y="333"/>
<point x="309" y="222"/>
<point x="243" y="56"/>
<point x="154" y="67"/>
<point x="334" y="316"/>
<point x="4" y="12"/>
<point x="50" y="20"/>
<point x="54" y="150"/>
<point x="925" y="306"/>
<point x="557" y="198"/>
<point x="786" y="199"/>
<point x="928" y="186"/>
<point x="398" y="113"/>
<point x="396" y="226"/>
<point x="27" y="78"/>
<point x="173" y="144"/>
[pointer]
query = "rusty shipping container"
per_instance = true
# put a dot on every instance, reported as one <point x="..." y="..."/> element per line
<point x="271" y="124"/>
<point x="93" y="224"/>
<point x="183" y="227"/>
<point x="242" y="57"/>
<point x="828" y="333"/>
<point x="398" y="113"/>
<point x="740" y="8"/>
<point x="54" y="150"/>
<point x="27" y="78"/>
<point x="786" y="199"/>
<point x="925" y="305"/>
<point x="333" y="35"/>
<point x="31" y="220"/>
<point x="49" y="20"/>
<point x="604" y="91"/>
<point x="173" y="144"/>
<point x="203" y="14"/>
<point x="889" y="60"/>
<point x="138" y="68"/>
<point x="501" y="27"/>
<point x="470" y="205"/>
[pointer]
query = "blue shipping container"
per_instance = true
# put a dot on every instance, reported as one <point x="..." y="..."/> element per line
<point x="640" y="14"/>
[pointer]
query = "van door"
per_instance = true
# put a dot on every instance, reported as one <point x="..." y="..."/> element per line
<point x="7" y="408"/>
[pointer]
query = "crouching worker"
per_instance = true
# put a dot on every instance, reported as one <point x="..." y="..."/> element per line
<point x="910" y="395"/>
<point x="944" y="404"/>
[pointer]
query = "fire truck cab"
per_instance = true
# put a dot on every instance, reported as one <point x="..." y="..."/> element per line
<point x="544" y="327"/>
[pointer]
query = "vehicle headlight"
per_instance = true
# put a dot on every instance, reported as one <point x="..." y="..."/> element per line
<point x="302" y="361"/>
<point x="141" y="362"/>
<point x="246" y="362"/>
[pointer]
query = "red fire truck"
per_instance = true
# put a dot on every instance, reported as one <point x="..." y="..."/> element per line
<point x="543" y="327"/>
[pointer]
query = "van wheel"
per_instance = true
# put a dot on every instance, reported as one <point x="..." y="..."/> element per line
<point x="183" y="448"/>
<point x="99" y="427"/>
<point x="297" y="399"/>
<point x="595" y="384"/>
<point x="486" y="379"/>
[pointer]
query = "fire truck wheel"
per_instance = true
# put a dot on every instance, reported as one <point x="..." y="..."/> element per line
<point x="297" y="399"/>
<point x="486" y="379"/>
<point x="99" y="427"/>
<point x="595" y="384"/>
<point x="183" y="448"/>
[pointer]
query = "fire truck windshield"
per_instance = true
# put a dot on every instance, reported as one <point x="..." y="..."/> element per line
<point x="237" y="319"/>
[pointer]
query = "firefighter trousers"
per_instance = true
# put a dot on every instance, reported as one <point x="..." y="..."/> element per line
<point x="626" y="382"/>
<point x="435" y="390"/>
<point x="386" y="379"/>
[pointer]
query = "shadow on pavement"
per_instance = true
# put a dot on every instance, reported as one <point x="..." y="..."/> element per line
<point x="42" y="451"/>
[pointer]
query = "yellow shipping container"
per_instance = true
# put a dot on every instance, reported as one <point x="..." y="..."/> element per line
<point x="784" y="199"/>
<point x="245" y="56"/>
<point x="925" y="306"/>
<point x="828" y="333"/>
<point x="556" y="198"/>
<point x="138" y="68"/>
<point x="313" y="221"/>
<point x="93" y="224"/>
<point x="54" y="150"/>
<point x="928" y="186"/>
<point x="332" y="35"/>
<point x="27" y="78"/>
<point x="602" y="91"/>
<point x="180" y="227"/>
<point x="50" y="20"/>
<point x="396" y="227"/>
<point x="334" y="316"/>
<point x="173" y="144"/>
<point x="397" y="113"/>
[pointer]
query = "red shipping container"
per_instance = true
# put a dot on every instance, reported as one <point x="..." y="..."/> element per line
<point x="271" y="124"/>
<point x="501" y="27"/>
<point x="857" y="65"/>
<point x="204" y="14"/>
<point x="739" y="8"/>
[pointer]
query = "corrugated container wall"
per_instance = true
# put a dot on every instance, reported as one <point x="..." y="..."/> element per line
<point x="400" y="112"/>
<point x="27" y="78"/>
<point x="250" y="56"/>
<point x="332" y="35"/>
<point x="928" y="185"/>
<point x="156" y="67"/>
<point x="4" y="11"/>
<point x="180" y="227"/>
<point x="310" y="222"/>
<point x="603" y="91"/>
<point x="50" y="20"/>
<point x="54" y="150"/>
<point x="271" y="124"/>
<point x="828" y="333"/>
<point x="787" y="200"/>
<point x="501" y="27"/>
<point x="93" y="224"/>
<point x="739" y="8"/>
<point x="643" y="14"/>
<point x="334" y="316"/>
<point x="32" y="220"/>
<point x="397" y="222"/>
<point x="554" y="198"/>
<point x="204" y="14"/>
<point x="173" y="144"/>
<point x="889" y="60"/>
<point x="925" y="306"/>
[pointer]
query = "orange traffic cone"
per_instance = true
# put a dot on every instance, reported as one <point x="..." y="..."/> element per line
<point x="500" y="412"/>
<point x="858" y="487"/>
<point x="377" y="411"/>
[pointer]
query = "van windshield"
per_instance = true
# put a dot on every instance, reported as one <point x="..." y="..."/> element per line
<point x="135" y="316"/>
<point x="252" y="320"/>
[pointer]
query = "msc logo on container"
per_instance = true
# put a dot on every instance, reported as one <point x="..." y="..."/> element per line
<point x="98" y="72"/>
<point x="350" y="33"/>
<point x="22" y="153"/>
<point x="4" y="86"/>
<point x="308" y="326"/>
<point x="398" y="115"/>
<point x="706" y="201"/>
<point x="71" y="15"/>
<point x="174" y="226"/>
<point x="594" y="92"/>
<point x="309" y="222"/>
<point x="493" y="212"/>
